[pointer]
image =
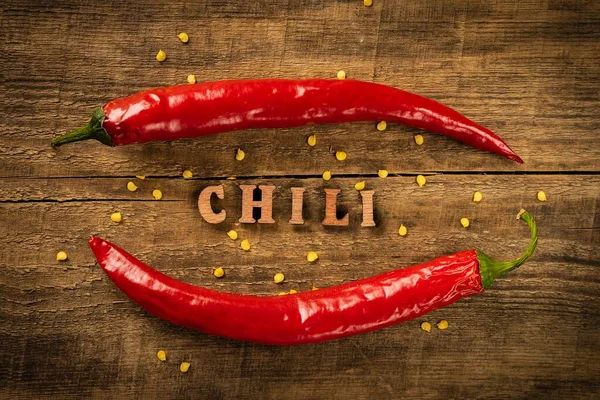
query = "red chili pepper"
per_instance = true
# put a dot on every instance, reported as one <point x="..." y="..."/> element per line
<point x="214" y="107"/>
<point x="312" y="316"/>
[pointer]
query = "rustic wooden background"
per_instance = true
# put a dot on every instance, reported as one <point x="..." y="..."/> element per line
<point x="529" y="69"/>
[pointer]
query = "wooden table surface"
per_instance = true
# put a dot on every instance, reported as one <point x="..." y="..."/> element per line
<point x="528" y="69"/>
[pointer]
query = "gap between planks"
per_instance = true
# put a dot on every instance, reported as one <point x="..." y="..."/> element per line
<point x="314" y="176"/>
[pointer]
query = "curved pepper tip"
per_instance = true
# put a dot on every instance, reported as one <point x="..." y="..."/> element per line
<point x="97" y="244"/>
<point x="516" y="158"/>
<point x="101" y="249"/>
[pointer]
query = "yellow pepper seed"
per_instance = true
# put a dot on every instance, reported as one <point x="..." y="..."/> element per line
<point x="340" y="155"/>
<point x="541" y="196"/>
<point x="157" y="194"/>
<point x="419" y="140"/>
<point x="61" y="256"/>
<point x="218" y="272"/>
<point x="402" y="231"/>
<point x="293" y="291"/>
<point x="231" y="178"/>
<point x="161" y="56"/>
<point x="161" y="355"/>
<point x="141" y="177"/>
<point x="132" y="187"/>
<point x="465" y="222"/>
<point x="232" y="234"/>
<point x="327" y="175"/>
<point x="381" y="126"/>
<point x="421" y="181"/>
<point x="383" y="173"/>
<point x="187" y="174"/>
<point x="191" y="79"/>
<point x="245" y="245"/>
<point x="116" y="217"/>
<point x="312" y="140"/>
<point x="183" y="37"/>
<point x="359" y="185"/>
<point x="341" y="74"/>
<point x="477" y="196"/>
<point x="312" y="256"/>
<point x="443" y="324"/>
<point x="240" y="155"/>
<point x="184" y="367"/>
<point x="368" y="3"/>
<point x="314" y="287"/>
<point x="278" y="278"/>
<point x="426" y="326"/>
<point x="282" y="293"/>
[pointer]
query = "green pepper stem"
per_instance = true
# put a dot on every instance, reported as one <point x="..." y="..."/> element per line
<point x="91" y="130"/>
<point x="491" y="269"/>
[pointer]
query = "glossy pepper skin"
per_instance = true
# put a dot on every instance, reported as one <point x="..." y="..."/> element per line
<point x="313" y="316"/>
<point x="213" y="107"/>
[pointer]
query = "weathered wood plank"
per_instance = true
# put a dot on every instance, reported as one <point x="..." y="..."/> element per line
<point x="533" y="332"/>
<point x="63" y="213"/>
<point x="36" y="229"/>
<point x="526" y="71"/>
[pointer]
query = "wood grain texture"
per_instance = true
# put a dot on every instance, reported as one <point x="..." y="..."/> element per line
<point x="528" y="69"/>
<point x="535" y="328"/>
<point x="297" y="205"/>
<point x="331" y="217"/>
<point x="367" y="208"/>
<point x="205" y="204"/>
<point x="250" y="205"/>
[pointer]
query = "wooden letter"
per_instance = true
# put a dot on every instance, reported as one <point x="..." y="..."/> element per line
<point x="204" y="204"/>
<point x="367" y="203"/>
<point x="265" y="204"/>
<point x="297" y="199"/>
<point x="331" y="209"/>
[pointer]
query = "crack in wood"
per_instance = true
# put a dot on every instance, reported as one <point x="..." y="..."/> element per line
<point x="316" y="176"/>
